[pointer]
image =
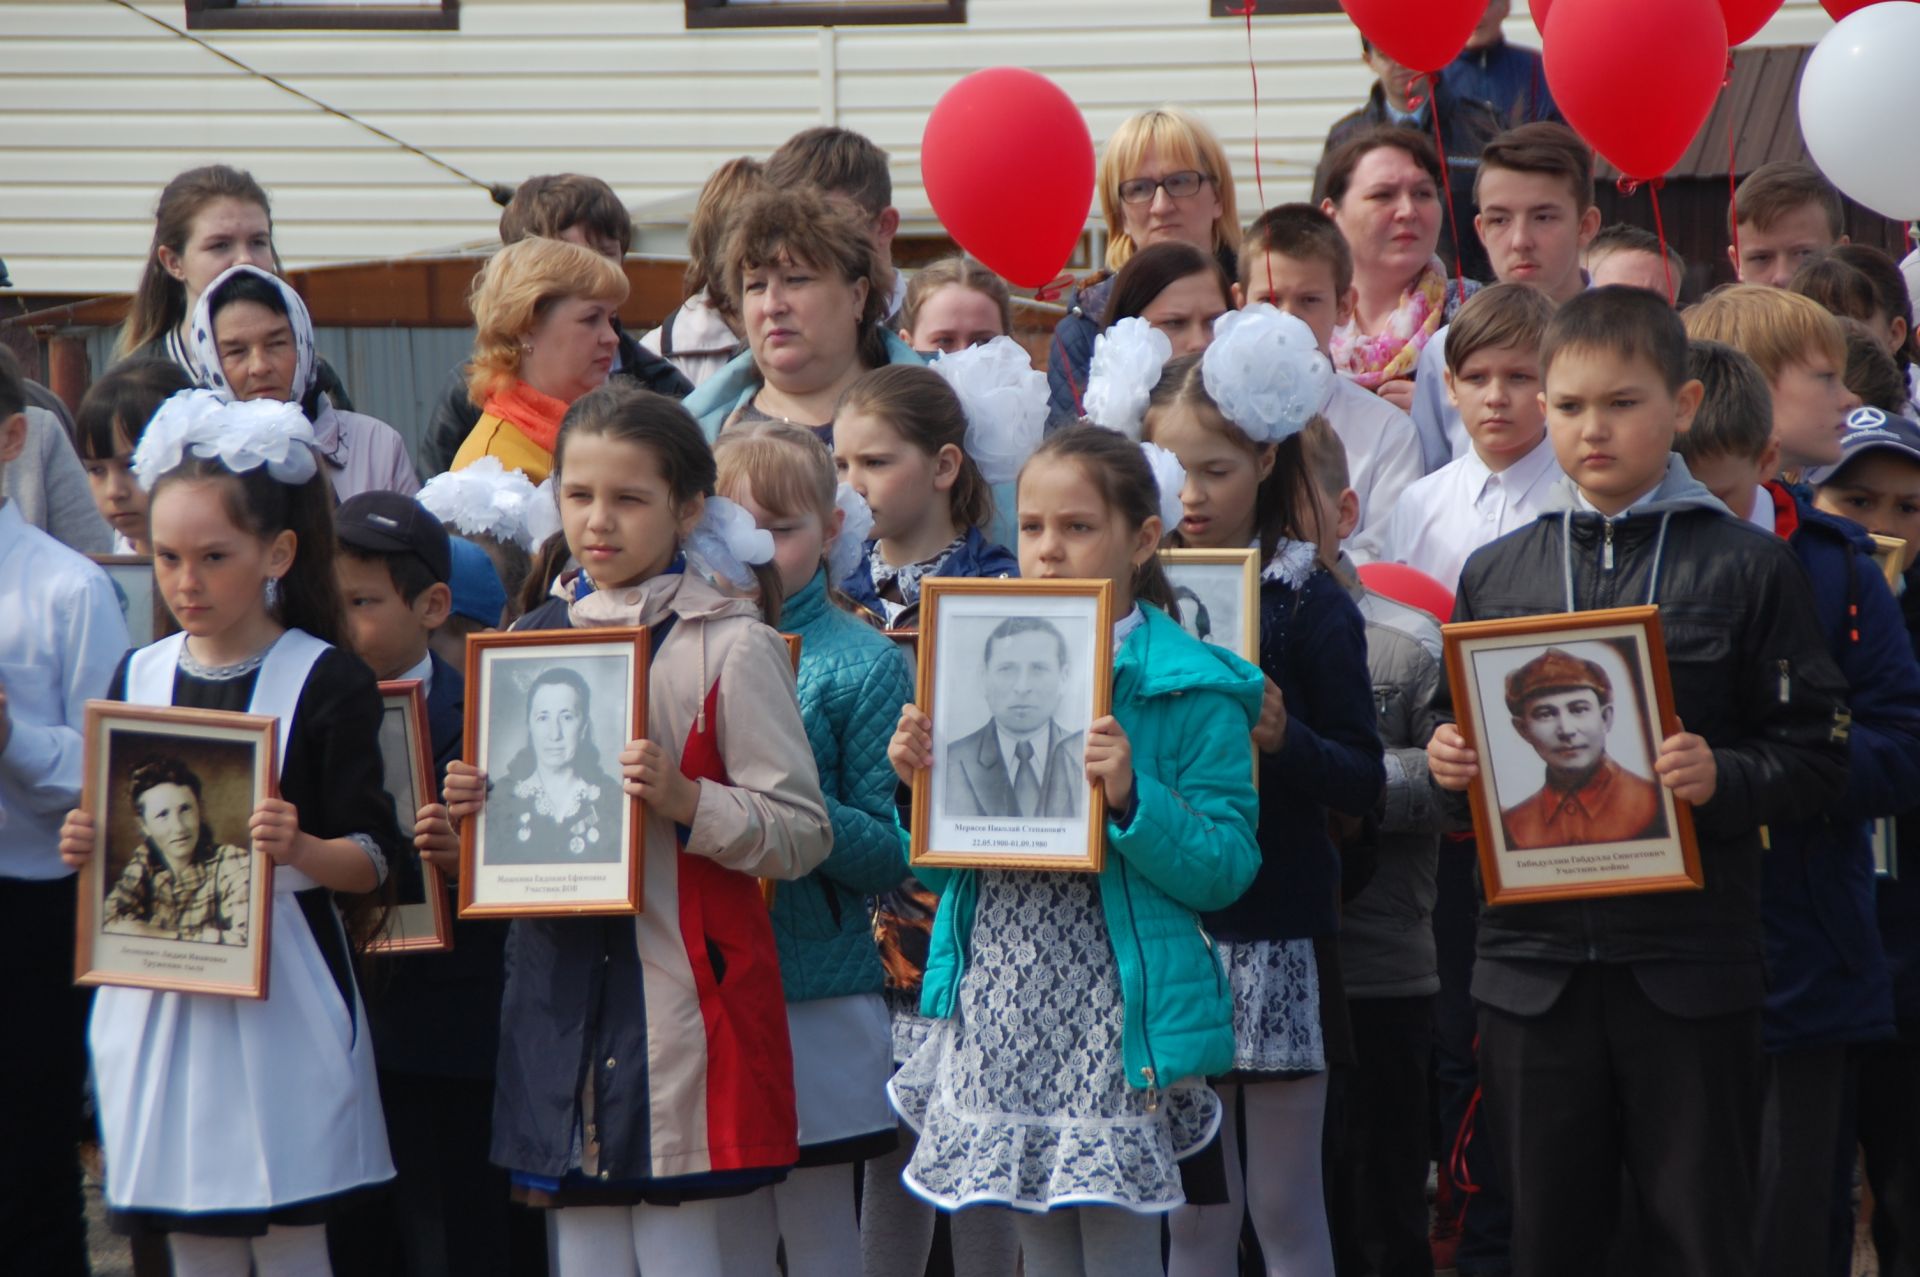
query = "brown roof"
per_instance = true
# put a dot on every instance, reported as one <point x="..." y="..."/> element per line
<point x="1762" y="104"/>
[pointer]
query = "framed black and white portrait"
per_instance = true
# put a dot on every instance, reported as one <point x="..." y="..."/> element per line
<point x="548" y="713"/>
<point x="1567" y="713"/>
<point x="174" y="896"/>
<point x="1013" y="673"/>
<point x="419" y="920"/>
<point x="133" y="588"/>
<point x="1216" y="594"/>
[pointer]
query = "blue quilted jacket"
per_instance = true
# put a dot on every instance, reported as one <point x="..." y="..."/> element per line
<point x="853" y="681"/>
<point x="1186" y="708"/>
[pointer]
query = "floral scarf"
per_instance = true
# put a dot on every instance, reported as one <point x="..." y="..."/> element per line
<point x="1392" y="353"/>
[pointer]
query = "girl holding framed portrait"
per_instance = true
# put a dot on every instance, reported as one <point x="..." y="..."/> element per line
<point x="1241" y="417"/>
<point x="235" y="1126"/>
<point x="645" y="1071"/>
<point x="1102" y="1107"/>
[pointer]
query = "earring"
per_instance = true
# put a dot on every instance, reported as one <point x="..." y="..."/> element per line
<point x="525" y="349"/>
<point x="271" y="592"/>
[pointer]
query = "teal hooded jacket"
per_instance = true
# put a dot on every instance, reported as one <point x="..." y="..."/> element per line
<point x="1187" y="708"/>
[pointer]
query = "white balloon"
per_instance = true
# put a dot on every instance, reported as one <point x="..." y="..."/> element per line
<point x="1855" y="97"/>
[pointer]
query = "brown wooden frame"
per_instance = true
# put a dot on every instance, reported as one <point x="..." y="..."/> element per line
<point x="1887" y="552"/>
<point x="1561" y="628"/>
<point x="478" y="645"/>
<point x="225" y="15"/>
<point x="793" y="651"/>
<point x="1247" y="559"/>
<point x="159" y="622"/>
<point x="436" y="936"/>
<point x="262" y="731"/>
<point x="724" y="13"/>
<point x="932" y="592"/>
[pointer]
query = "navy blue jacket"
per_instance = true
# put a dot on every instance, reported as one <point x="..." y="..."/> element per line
<point x="976" y="557"/>
<point x="1313" y="646"/>
<point x="1898" y="903"/>
<point x="438" y="1014"/>
<point x="1827" y="978"/>
<point x="1508" y="78"/>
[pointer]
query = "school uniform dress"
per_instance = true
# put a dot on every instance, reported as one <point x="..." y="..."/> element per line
<point x="224" y="1115"/>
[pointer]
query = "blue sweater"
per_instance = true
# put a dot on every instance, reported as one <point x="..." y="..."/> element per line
<point x="852" y="682"/>
<point x="1313" y="646"/>
<point x="1827" y="977"/>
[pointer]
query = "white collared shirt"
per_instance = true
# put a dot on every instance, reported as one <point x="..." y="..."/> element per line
<point x="1580" y="500"/>
<point x="1442" y="519"/>
<point x="1383" y="452"/>
<point x="61" y="636"/>
<point x="424" y="672"/>
<point x="1761" y="515"/>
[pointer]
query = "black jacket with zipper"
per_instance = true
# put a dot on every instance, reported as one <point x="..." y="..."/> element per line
<point x="1750" y="672"/>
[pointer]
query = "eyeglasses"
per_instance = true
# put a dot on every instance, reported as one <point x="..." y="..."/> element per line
<point x="1182" y="185"/>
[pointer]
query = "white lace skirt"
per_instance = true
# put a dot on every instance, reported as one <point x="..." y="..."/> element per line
<point x="1021" y="1098"/>
<point x="1276" y="1007"/>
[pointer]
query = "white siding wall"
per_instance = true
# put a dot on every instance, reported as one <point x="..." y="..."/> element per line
<point x="99" y="107"/>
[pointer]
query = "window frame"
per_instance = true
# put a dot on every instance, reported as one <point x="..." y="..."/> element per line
<point x="1270" y="8"/>
<point x="228" y="15"/>
<point x="723" y="14"/>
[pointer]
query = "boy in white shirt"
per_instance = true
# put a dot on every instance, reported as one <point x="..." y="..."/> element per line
<point x="1295" y="259"/>
<point x="1508" y="469"/>
<point x="1537" y="216"/>
<point x="61" y="635"/>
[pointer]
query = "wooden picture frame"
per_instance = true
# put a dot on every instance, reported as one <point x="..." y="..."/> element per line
<point x="138" y="594"/>
<point x="425" y="924"/>
<point x="908" y="641"/>
<point x="1219" y="584"/>
<point x="1580" y="697"/>
<point x="203" y="773"/>
<point x="965" y="807"/>
<point x="793" y="651"/>
<point x="519" y="857"/>
<point x="1888" y="553"/>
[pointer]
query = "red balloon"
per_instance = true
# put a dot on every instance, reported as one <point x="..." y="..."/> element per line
<point x="1841" y="8"/>
<point x="1638" y="101"/>
<point x="1746" y="17"/>
<point x="1001" y="139"/>
<point x="1423" y="35"/>
<point x="1408" y="585"/>
<point x="1537" y="10"/>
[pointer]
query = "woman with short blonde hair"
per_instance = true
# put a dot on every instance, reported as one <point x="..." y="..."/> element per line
<point x="1163" y="178"/>
<point x="544" y="311"/>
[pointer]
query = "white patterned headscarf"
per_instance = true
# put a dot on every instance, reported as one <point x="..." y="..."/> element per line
<point x="206" y="351"/>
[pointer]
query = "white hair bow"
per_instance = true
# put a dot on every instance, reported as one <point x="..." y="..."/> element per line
<point x="241" y="436"/>
<point x="729" y="543"/>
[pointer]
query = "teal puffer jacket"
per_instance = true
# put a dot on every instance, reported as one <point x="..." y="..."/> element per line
<point x="853" y="681"/>
<point x="1187" y="709"/>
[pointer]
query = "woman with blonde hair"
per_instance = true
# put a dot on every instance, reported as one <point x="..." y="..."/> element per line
<point x="704" y="334"/>
<point x="544" y="310"/>
<point x="1163" y="178"/>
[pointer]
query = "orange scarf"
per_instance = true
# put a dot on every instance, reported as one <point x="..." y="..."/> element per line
<point x="533" y="414"/>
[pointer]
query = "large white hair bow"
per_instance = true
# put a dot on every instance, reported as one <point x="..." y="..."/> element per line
<point x="850" y="546"/>
<point x="483" y="499"/>
<point x="1265" y="372"/>
<point x="1004" y="398"/>
<point x="1127" y="359"/>
<point x="241" y="436"/>
<point x="1170" y="476"/>
<point x="729" y="543"/>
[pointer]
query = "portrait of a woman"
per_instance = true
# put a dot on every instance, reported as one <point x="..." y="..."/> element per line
<point x="558" y="803"/>
<point x="182" y="883"/>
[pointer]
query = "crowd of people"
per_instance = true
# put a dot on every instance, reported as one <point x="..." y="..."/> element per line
<point x="1278" y="1031"/>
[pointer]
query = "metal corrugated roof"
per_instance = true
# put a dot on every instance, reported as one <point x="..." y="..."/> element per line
<point x="1761" y="103"/>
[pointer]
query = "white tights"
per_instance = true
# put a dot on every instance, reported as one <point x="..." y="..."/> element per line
<point x="811" y="1211"/>
<point x="637" y="1241"/>
<point x="283" y="1252"/>
<point x="1280" y="1187"/>
<point x="1089" y="1241"/>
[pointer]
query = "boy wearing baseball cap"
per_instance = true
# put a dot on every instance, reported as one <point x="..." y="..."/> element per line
<point x="1620" y="1035"/>
<point x="435" y="1016"/>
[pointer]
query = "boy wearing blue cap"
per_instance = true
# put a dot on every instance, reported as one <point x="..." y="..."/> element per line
<point x="1876" y="483"/>
<point x="479" y="602"/>
<point x="435" y="1016"/>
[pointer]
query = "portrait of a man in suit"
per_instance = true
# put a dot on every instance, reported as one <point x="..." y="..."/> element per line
<point x="1562" y="706"/>
<point x="1023" y="763"/>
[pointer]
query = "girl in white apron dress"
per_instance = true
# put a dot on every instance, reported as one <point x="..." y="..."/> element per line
<point x="233" y="1126"/>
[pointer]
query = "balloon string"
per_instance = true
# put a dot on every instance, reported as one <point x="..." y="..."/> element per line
<point x="1733" y="186"/>
<point x="1253" y="72"/>
<point x="1446" y="182"/>
<point x="1660" y="229"/>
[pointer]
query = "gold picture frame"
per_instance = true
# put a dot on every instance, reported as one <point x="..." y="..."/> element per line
<point x="1057" y="683"/>
<point x="1888" y="553"/>
<point x="556" y="868"/>
<point x="1592" y="685"/>
<point x="1214" y="579"/>
<point x="205" y="772"/>
<point x="138" y="593"/>
<point x="424" y="925"/>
